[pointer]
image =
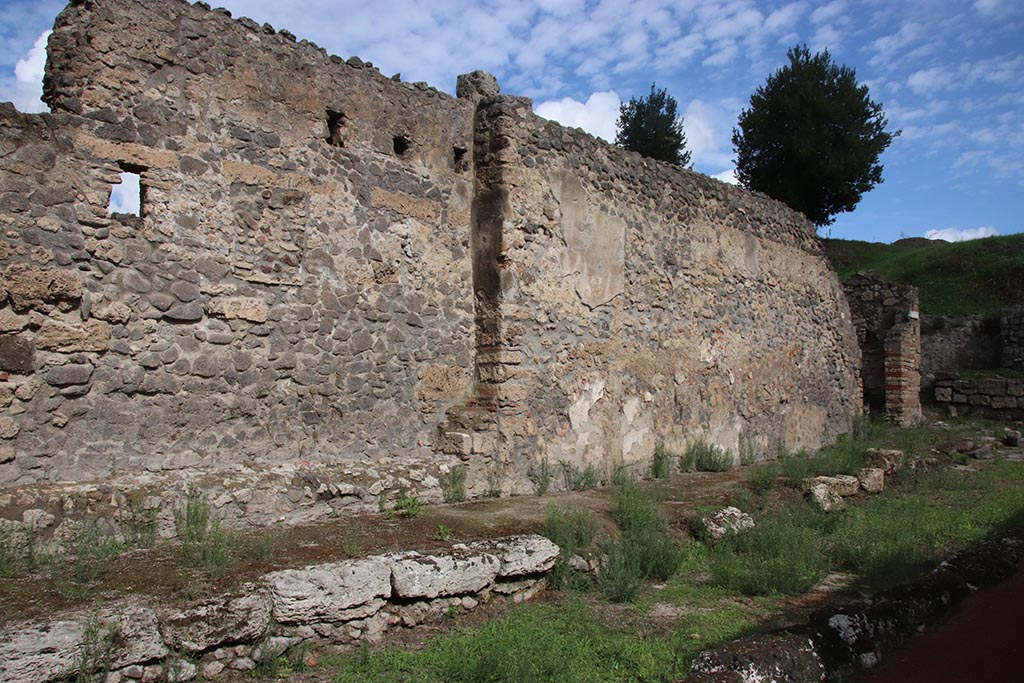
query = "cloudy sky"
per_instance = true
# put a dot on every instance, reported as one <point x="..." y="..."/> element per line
<point x="950" y="74"/>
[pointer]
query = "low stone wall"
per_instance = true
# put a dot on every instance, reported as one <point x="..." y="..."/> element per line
<point x="1011" y="325"/>
<point x="342" y="602"/>
<point x="995" y="398"/>
<point x="950" y="344"/>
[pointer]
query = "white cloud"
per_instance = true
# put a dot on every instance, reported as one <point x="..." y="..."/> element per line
<point x="827" y="13"/>
<point x="703" y="123"/>
<point x="727" y="176"/>
<point x="785" y="18"/>
<point x="597" y="115"/>
<point x="961" y="234"/>
<point x="124" y="198"/>
<point x="28" y="77"/>
<point x="929" y="80"/>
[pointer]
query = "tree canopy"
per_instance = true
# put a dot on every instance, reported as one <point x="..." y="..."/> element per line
<point x="649" y="125"/>
<point x="811" y="137"/>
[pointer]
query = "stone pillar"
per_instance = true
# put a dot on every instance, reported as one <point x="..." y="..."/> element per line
<point x="902" y="373"/>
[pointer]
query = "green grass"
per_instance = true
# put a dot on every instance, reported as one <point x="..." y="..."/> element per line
<point x="975" y="277"/>
<point x="569" y="643"/>
<point x="776" y="556"/>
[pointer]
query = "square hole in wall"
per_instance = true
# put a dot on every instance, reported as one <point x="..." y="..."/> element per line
<point x="401" y="144"/>
<point x="335" y="128"/>
<point x="128" y="196"/>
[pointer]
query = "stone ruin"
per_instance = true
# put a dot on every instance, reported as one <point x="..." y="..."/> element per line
<point x="340" y="285"/>
<point x="887" y="318"/>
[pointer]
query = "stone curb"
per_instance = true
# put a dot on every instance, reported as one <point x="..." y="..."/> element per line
<point x="342" y="602"/>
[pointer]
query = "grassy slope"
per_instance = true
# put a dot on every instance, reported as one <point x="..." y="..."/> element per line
<point x="980" y="276"/>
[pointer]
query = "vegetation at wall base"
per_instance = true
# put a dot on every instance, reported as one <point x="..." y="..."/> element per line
<point x="978" y="277"/>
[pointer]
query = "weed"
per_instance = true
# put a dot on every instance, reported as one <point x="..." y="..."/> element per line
<point x="749" y="453"/>
<point x="776" y="556"/>
<point x="138" y="525"/>
<point x="622" y="475"/>
<point x="453" y="484"/>
<point x="283" y="666"/>
<point x="10" y="552"/>
<point x="406" y="505"/>
<point x="543" y="480"/>
<point x="353" y="540"/>
<point x="494" y="478"/>
<point x="795" y="468"/>
<point x="577" y="479"/>
<point x="705" y="457"/>
<point x="645" y="536"/>
<point x="761" y="478"/>
<point x="261" y="547"/>
<point x="621" y="575"/>
<point x="96" y="652"/>
<point x="443" y="533"/>
<point x="204" y="542"/>
<point x="573" y="530"/>
<point x="81" y="560"/>
<point x="661" y="464"/>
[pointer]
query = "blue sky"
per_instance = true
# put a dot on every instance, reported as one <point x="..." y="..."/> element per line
<point x="950" y="74"/>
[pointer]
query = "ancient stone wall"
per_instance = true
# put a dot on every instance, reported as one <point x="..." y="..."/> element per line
<point x="341" y="285"/>
<point x="993" y="397"/>
<point x="641" y="304"/>
<point x="953" y="343"/>
<point x="1012" y="334"/>
<point x="887" y="320"/>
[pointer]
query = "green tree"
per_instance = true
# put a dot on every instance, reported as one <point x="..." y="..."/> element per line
<point x="650" y="126"/>
<point x="811" y="137"/>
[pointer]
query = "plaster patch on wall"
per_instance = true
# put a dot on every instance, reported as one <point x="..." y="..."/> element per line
<point x="579" y="411"/>
<point x="595" y="243"/>
<point x="636" y="428"/>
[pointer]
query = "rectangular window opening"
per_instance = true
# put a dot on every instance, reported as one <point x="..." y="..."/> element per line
<point x="128" y="196"/>
<point x="335" y="128"/>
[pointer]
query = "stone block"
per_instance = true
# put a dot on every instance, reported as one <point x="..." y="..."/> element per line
<point x="872" y="479"/>
<point x="251" y="309"/>
<point x="341" y="591"/>
<point x="520" y="555"/>
<point x="426" y="576"/>
<point x="215" y="621"/>
<point x="70" y="374"/>
<point x="30" y="287"/>
<point x="55" y="335"/>
<point x="17" y="354"/>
